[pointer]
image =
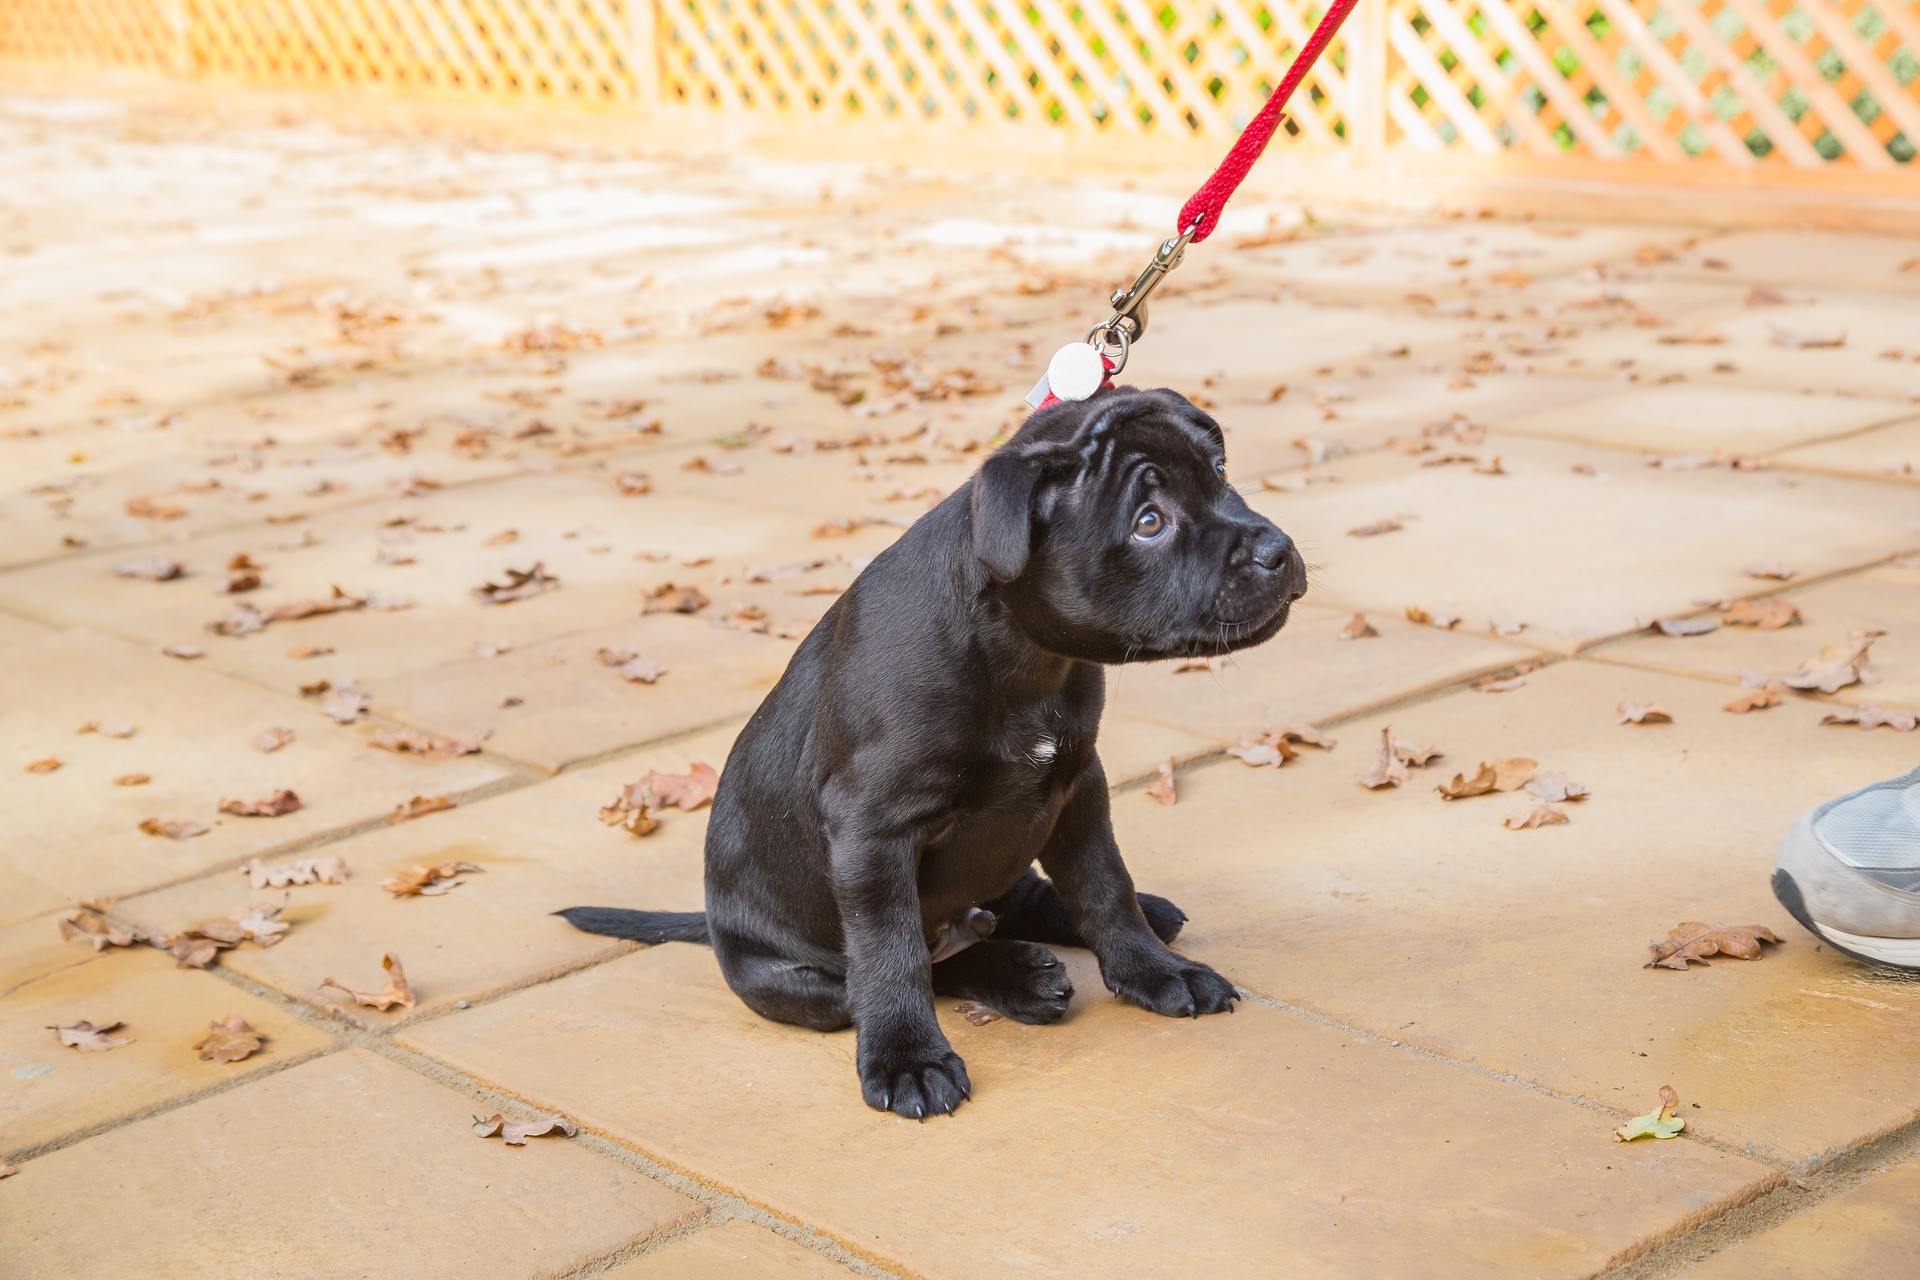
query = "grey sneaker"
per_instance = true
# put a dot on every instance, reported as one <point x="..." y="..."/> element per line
<point x="1850" y="872"/>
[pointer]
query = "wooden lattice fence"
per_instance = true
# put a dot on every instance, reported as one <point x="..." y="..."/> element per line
<point x="1804" y="84"/>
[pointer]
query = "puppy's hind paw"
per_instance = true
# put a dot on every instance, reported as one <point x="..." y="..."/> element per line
<point x="1162" y="916"/>
<point x="1182" y="989"/>
<point x="933" y="1086"/>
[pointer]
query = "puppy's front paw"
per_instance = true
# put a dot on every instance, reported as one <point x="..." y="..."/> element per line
<point x="914" y="1082"/>
<point x="1176" y="986"/>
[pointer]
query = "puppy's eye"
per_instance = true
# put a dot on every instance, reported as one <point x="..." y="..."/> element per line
<point x="1149" y="524"/>
<point x="1220" y="465"/>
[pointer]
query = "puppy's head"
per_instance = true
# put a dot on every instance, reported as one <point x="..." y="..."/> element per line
<point x="1114" y="536"/>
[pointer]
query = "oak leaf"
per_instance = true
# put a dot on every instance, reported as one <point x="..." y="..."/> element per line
<point x="417" y="807"/>
<point x="271" y="740"/>
<point x="687" y="791"/>
<point x="427" y="881"/>
<point x="95" y="929"/>
<point x="1871" y="716"/>
<point x="1838" y="665"/>
<point x="108" y="727"/>
<point x="642" y="671"/>
<point x="133" y="780"/>
<point x="261" y="924"/>
<point x="1661" y="1122"/>
<point x="1358" y="628"/>
<point x="631" y="810"/>
<point x="976" y="1014"/>
<point x="1209" y="665"/>
<point x="320" y="870"/>
<point x="668" y="598"/>
<point x="1262" y="753"/>
<point x="516" y="1132"/>
<point x="1162" y="787"/>
<point x="427" y="745"/>
<point x="1631" y="711"/>
<point x="1775" y="569"/>
<point x="1387" y="769"/>
<point x="228" y="1040"/>
<point x="174" y="828"/>
<point x="47" y="765"/>
<point x="1375" y="529"/>
<point x="1417" y="754"/>
<point x="521" y="584"/>
<point x="151" y="568"/>
<point x="344" y="703"/>
<point x="396" y="992"/>
<point x="1502" y="775"/>
<point x="278" y="804"/>
<point x="1768" y="613"/>
<point x="1756" y="694"/>
<point x="1535" y="813"/>
<point x="1555" y="787"/>
<point x="88" y="1038"/>
<point x="1696" y="626"/>
<point x="1427" y="618"/>
<point x="1693" y="940"/>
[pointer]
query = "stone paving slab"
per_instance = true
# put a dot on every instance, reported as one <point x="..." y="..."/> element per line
<point x="48" y="1090"/>
<point x="1882" y="599"/>
<point x="731" y="1251"/>
<point x="541" y="848"/>
<point x="1240" y="1144"/>
<point x="1808" y="258"/>
<point x="559" y="521"/>
<point x="1684" y="418"/>
<point x="1306" y="675"/>
<point x="1890" y="453"/>
<point x="1426" y="921"/>
<point x="1871" y="1232"/>
<point x="1639" y="543"/>
<point x="78" y="833"/>
<point x="345" y="1166"/>
<point x="574" y="707"/>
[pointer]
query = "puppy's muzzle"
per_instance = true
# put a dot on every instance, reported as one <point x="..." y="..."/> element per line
<point x="1275" y="555"/>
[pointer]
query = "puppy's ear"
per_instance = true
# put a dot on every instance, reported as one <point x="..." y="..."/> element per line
<point x="1003" y="512"/>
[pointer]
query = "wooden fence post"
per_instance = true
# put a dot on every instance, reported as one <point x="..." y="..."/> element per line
<point x="1367" y="83"/>
<point x="643" y="52"/>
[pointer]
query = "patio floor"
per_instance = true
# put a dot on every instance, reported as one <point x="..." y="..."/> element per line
<point x="400" y="365"/>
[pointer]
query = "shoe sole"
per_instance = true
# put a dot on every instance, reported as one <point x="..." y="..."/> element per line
<point x="1890" y="953"/>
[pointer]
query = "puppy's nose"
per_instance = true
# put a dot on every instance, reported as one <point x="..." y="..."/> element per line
<point x="1271" y="549"/>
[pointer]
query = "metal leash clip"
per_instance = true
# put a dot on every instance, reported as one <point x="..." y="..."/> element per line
<point x="1115" y="336"/>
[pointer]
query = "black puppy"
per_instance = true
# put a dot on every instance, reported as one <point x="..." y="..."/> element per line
<point x="934" y="735"/>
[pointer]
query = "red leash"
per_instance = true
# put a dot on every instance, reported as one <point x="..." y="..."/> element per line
<point x="1081" y="368"/>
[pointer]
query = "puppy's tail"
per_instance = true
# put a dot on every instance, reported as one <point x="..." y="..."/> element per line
<point x="641" y="926"/>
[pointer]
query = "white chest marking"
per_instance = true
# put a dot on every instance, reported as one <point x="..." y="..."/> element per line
<point x="1043" y="750"/>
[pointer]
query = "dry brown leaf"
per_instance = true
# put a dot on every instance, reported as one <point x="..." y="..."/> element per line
<point x="88" y="1038"/>
<point x="321" y="870"/>
<point x="133" y="780"/>
<point x="1375" y="529"/>
<point x="427" y="745"/>
<point x="7" y="1170"/>
<point x="417" y="807"/>
<point x="1387" y="769"/>
<point x="521" y="584"/>
<point x="271" y="740"/>
<point x="1756" y="695"/>
<point x="108" y="727"/>
<point x="1263" y="753"/>
<point x="1693" y="940"/>
<point x="1634" y="712"/>
<point x="344" y="703"/>
<point x="1535" y="813"/>
<point x="151" y="568"/>
<point x="1502" y="775"/>
<point x="174" y="828"/>
<point x="631" y="810"/>
<point x="1838" y="665"/>
<point x="976" y="1014"/>
<point x="687" y="791"/>
<point x="668" y="598"/>
<point x="1556" y="787"/>
<point x="48" y="765"/>
<point x="1774" y="569"/>
<point x="1416" y="754"/>
<point x="1162" y="788"/>
<point x="1208" y="665"/>
<point x="1426" y="618"/>
<point x="516" y="1132"/>
<point x="1305" y="735"/>
<point x="95" y="929"/>
<point x="1762" y="296"/>
<point x="1702" y="335"/>
<point x="1358" y="628"/>
<point x="427" y="882"/>
<point x="187" y="651"/>
<point x="642" y="671"/>
<point x="396" y="992"/>
<point x="1870" y="716"/>
<point x="1768" y="613"/>
<point x="278" y="804"/>
<point x="260" y="924"/>
<point x="632" y="484"/>
<point x="228" y="1040"/>
<point x="1696" y="626"/>
<point x="1803" y="339"/>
